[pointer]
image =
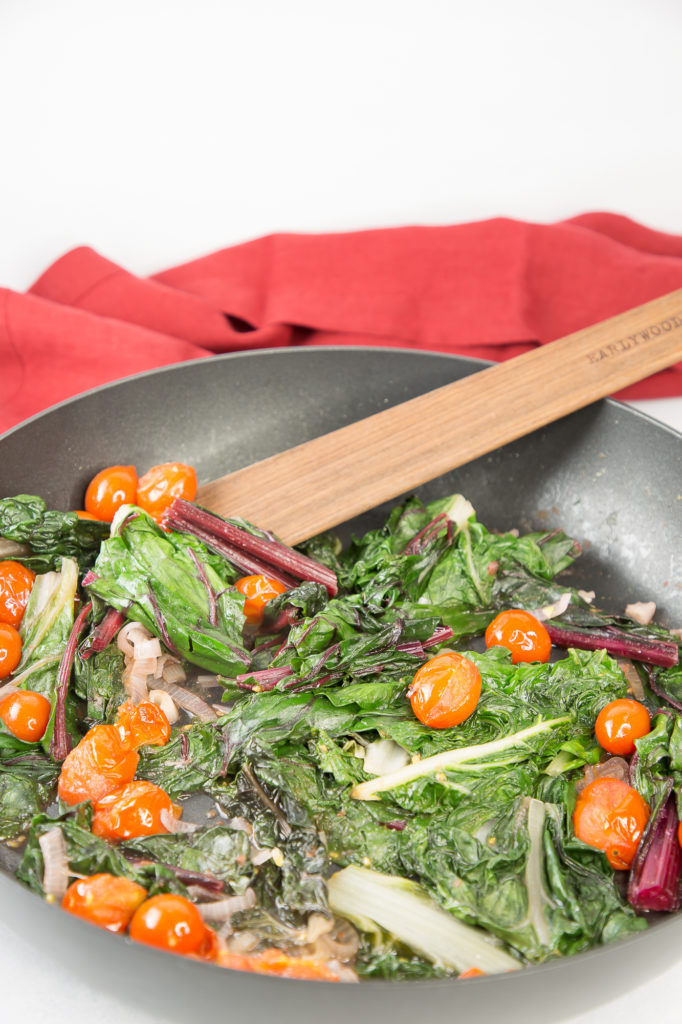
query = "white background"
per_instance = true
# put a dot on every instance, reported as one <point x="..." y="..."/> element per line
<point x="157" y="131"/>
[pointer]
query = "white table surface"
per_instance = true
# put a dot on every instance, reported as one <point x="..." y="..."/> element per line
<point x="158" y="130"/>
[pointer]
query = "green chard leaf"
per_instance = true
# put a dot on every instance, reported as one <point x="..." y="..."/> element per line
<point x="172" y="585"/>
<point x="220" y="851"/>
<point x="188" y="763"/>
<point x="28" y="782"/>
<point x="45" y="629"/>
<point x="98" y="682"/>
<point x="51" y="535"/>
<point x="87" y="854"/>
<point x="292" y="883"/>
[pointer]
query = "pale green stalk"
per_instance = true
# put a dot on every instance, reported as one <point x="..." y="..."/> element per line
<point x="451" y="759"/>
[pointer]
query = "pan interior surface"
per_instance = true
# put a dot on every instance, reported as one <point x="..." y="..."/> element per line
<point x="608" y="476"/>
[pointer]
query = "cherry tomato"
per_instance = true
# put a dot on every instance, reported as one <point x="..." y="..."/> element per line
<point x="132" y="810"/>
<point x="105" y="900"/>
<point x="110" y="489"/>
<point x="257" y="590"/>
<point x="620" y="723"/>
<point x="445" y="690"/>
<point x="172" y="923"/>
<point x="143" y="723"/>
<point x="472" y="972"/>
<point x="10" y="649"/>
<point x="26" y="714"/>
<point x="160" y="485"/>
<point x="611" y="816"/>
<point x="275" y="961"/>
<point x="16" y="583"/>
<point x="521" y="633"/>
<point x="100" y="763"/>
<point x="82" y="514"/>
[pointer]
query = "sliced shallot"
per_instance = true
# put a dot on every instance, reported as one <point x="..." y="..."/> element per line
<point x="148" y="649"/>
<point x="635" y="688"/>
<point x="188" y="700"/>
<point x="641" y="611"/>
<point x="261" y="856"/>
<point x="55" y="863"/>
<point x="135" y="685"/>
<point x="551" y="611"/>
<point x="238" y="824"/>
<point x="174" y="824"/>
<point x="222" y="910"/>
<point x="129" y="635"/>
<point x="166" y="703"/>
<point x="171" y="670"/>
<point x="614" y="768"/>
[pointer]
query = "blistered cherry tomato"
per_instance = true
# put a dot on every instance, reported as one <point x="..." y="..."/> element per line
<point x="109" y="489"/>
<point x="132" y="810"/>
<point x="172" y="923"/>
<point x="99" y="764"/>
<point x="277" y="962"/>
<point x="10" y="649"/>
<point x="620" y="723"/>
<point x="161" y="485"/>
<point x="472" y="972"/>
<point x="521" y="633"/>
<point x="611" y="816"/>
<point x="105" y="900"/>
<point x="143" y="723"/>
<point x="82" y="514"/>
<point x="258" y="590"/>
<point x="26" y="714"/>
<point x="445" y="690"/>
<point x="16" y="583"/>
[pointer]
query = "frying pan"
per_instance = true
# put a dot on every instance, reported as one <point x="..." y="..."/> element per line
<point x="607" y="475"/>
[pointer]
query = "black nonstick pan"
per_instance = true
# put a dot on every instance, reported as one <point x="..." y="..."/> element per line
<point x="609" y="476"/>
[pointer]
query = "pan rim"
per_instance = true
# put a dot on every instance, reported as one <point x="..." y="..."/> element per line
<point x="299" y="352"/>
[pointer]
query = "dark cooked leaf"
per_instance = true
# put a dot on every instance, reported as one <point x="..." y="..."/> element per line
<point x="51" y="535"/>
<point x="188" y="763"/>
<point x="98" y="682"/>
<point x="217" y="850"/>
<point x="27" y="785"/>
<point x="87" y="854"/>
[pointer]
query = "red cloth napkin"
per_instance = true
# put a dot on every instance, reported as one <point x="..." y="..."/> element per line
<point x="491" y="289"/>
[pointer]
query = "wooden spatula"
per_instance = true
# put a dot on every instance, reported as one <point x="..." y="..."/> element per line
<point x="323" y="482"/>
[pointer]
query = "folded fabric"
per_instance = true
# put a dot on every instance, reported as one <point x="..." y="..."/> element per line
<point x="491" y="289"/>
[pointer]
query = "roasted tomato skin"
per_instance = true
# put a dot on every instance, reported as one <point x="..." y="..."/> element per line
<point x="109" y="489"/>
<point x="276" y="962"/>
<point x="258" y="590"/>
<point x="172" y="923"/>
<point x="521" y="633"/>
<point x="445" y="690"/>
<point x="158" y="488"/>
<point x="26" y="714"/>
<point x="99" y="764"/>
<point x="16" y="583"/>
<point x="619" y="724"/>
<point x="132" y="811"/>
<point x="611" y="816"/>
<point x="142" y="724"/>
<point x="10" y="649"/>
<point x="105" y="900"/>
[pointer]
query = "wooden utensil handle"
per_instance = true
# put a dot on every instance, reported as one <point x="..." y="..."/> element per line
<point x="323" y="482"/>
